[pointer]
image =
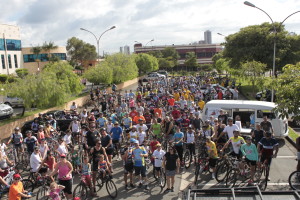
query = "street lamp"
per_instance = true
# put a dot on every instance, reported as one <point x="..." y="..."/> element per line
<point x="275" y="30"/>
<point x="222" y="34"/>
<point x="98" y="39"/>
<point x="149" y="42"/>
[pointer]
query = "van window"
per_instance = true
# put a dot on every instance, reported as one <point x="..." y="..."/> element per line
<point x="268" y="113"/>
<point x="243" y="115"/>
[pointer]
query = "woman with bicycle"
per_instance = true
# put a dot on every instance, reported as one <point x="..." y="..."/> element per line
<point x="64" y="169"/>
<point x="171" y="164"/>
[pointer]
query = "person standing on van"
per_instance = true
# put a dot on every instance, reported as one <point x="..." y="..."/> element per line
<point x="266" y="125"/>
<point x="223" y="117"/>
<point x="229" y="129"/>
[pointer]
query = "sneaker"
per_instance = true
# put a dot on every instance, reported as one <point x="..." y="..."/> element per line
<point x="167" y="190"/>
<point x="213" y="176"/>
<point x="140" y="185"/>
<point x="132" y="185"/>
<point x="126" y="187"/>
<point x="172" y="189"/>
<point x="147" y="187"/>
<point x="269" y="179"/>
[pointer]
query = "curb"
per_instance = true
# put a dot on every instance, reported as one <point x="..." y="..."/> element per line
<point x="290" y="141"/>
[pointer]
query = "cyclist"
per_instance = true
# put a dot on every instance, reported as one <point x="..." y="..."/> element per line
<point x="236" y="141"/>
<point x="106" y="142"/>
<point x="249" y="150"/>
<point x="103" y="166"/>
<point x="16" y="190"/>
<point x="55" y="189"/>
<point x="133" y="133"/>
<point x="229" y="129"/>
<point x="156" y="130"/>
<point x="141" y="136"/>
<point x="30" y="142"/>
<point x="4" y="164"/>
<point x="75" y="128"/>
<point x="117" y="136"/>
<point x="158" y="156"/>
<point x="86" y="173"/>
<point x="128" y="163"/>
<point x="127" y="121"/>
<point x="139" y="154"/>
<point x="16" y="138"/>
<point x="171" y="164"/>
<point x="212" y="155"/>
<point x="266" y="147"/>
<point x="101" y="121"/>
<point x="178" y="140"/>
<point x="190" y="141"/>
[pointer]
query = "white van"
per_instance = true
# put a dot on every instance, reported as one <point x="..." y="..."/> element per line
<point x="245" y="109"/>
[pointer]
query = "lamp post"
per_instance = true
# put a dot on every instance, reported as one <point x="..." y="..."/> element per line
<point x="149" y="42"/>
<point x="222" y="34"/>
<point x="275" y="38"/>
<point x="98" y="39"/>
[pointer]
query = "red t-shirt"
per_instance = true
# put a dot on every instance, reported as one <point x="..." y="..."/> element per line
<point x="132" y="114"/>
<point x="153" y="146"/>
<point x="175" y="114"/>
<point x="171" y="102"/>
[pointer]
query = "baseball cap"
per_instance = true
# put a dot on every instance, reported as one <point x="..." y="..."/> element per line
<point x="16" y="176"/>
<point x="62" y="155"/>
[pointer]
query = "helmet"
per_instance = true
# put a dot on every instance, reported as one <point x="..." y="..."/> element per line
<point x="132" y="140"/>
<point x="17" y="129"/>
<point x="41" y="126"/>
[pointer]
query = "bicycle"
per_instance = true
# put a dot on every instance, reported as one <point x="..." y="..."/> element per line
<point x="110" y="186"/>
<point x="162" y="178"/>
<point x="294" y="180"/>
<point x="201" y="166"/>
<point x="44" y="181"/>
<point x="81" y="190"/>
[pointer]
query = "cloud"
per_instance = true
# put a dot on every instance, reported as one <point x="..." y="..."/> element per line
<point x="167" y="22"/>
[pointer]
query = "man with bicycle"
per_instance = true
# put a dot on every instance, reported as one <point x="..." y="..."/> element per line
<point x="16" y="138"/>
<point x="266" y="147"/>
<point x="117" y="136"/>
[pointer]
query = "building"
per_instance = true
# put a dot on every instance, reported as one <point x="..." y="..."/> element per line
<point x="204" y="52"/>
<point x="10" y="49"/>
<point x="35" y="63"/>
<point x="121" y="49"/>
<point x="207" y="37"/>
<point x="126" y="50"/>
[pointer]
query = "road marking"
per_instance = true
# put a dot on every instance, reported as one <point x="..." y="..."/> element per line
<point x="286" y="157"/>
<point x="269" y="184"/>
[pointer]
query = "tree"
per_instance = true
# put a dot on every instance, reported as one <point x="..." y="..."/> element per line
<point x="164" y="63"/>
<point x="146" y="63"/>
<point x="22" y="72"/>
<point x="287" y="86"/>
<point x="53" y="86"/>
<point x="191" y="60"/>
<point x="36" y="51"/>
<point x="102" y="73"/>
<point x="156" y="54"/>
<point x="222" y="65"/>
<point x="256" y="43"/>
<point x="171" y="55"/>
<point x="123" y="66"/>
<point x="254" y="72"/>
<point x="48" y="47"/>
<point x="79" y="51"/>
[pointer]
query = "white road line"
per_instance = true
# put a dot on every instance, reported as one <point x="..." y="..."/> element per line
<point x="286" y="157"/>
<point x="269" y="184"/>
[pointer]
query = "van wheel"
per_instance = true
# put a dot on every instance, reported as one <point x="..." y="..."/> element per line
<point x="7" y="103"/>
<point x="296" y="122"/>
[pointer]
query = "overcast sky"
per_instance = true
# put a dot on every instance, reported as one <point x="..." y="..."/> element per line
<point x="166" y="21"/>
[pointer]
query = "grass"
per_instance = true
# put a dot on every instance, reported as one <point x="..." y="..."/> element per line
<point x="292" y="134"/>
<point x="246" y="88"/>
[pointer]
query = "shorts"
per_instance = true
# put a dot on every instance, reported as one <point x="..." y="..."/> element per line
<point x="140" y="170"/>
<point x="43" y="170"/>
<point x="263" y="158"/>
<point x="238" y="156"/>
<point x="67" y="184"/>
<point x="115" y="141"/>
<point x="170" y="172"/>
<point x="109" y="151"/>
<point x="212" y="162"/>
<point x="18" y="145"/>
<point x="250" y="162"/>
<point x="87" y="178"/>
<point x="128" y="168"/>
<point x="157" y="168"/>
<point x="75" y="133"/>
<point x="95" y="167"/>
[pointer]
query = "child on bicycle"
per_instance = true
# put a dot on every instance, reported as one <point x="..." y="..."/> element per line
<point x="55" y="190"/>
<point x="75" y="159"/>
<point x="103" y="167"/>
<point x="86" y="173"/>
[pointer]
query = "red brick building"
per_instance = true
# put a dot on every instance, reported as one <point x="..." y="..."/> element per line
<point x="204" y="52"/>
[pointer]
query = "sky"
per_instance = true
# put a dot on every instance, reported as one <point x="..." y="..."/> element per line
<point x="166" y="21"/>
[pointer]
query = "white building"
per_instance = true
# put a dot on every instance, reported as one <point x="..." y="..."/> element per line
<point x="10" y="49"/>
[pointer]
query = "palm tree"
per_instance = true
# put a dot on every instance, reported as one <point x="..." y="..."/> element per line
<point x="36" y="51"/>
<point x="48" y="47"/>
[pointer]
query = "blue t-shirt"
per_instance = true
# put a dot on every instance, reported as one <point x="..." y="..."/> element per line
<point x="116" y="133"/>
<point x="138" y="160"/>
<point x="101" y="121"/>
<point x="177" y="137"/>
<point x="113" y="118"/>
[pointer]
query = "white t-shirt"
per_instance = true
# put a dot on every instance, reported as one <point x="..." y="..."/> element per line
<point x="140" y="110"/>
<point x="62" y="149"/>
<point x="2" y="149"/>
<point x="144" y="127"/>
<point x="190" y="137"/>
<point x="141" y="136"/>
<point x="133" y="134"/>
<point x="229" y="130"/>
<point x="67" y="139"/>
<point x="73" y="107"/>
<point x="159" y="155"/>
<point x="35" y="161"/>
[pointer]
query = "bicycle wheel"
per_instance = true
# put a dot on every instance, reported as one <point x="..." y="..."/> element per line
<point x="231" y="178"/>
<point x="28" y="185"/>
<point x="43" y="193"/>
<point x="80" y="191"/>
<point x="221" y="172"/>
<point x="111" y="188"/>
<point x="99" y="183"/>
<point x="163" y="178"/>
<point x="197" y="174"/>
<point x="294" y="180"/>
<point x="187" y="159"/>
<point x="264" y="182"/>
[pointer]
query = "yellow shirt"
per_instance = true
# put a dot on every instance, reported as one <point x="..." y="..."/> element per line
<point x="186" y="96"/>
<point x="176" y="96"/>
<point x="212" y="149"/>
<point x="201" y="104"/>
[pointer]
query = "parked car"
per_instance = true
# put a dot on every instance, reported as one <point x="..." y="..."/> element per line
<point x="13" y="101"/>
<point x="204" y="88"/>
<point x="61" y="123"/>
<point x="163" y="72"/>
<point x="153" y="76"/>
<point x="265" y="95"/>
<point x="6" y="111"/>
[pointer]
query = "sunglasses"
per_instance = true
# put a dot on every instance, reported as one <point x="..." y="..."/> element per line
<point x="62" y="157"/>
<point x="16" y="179"/>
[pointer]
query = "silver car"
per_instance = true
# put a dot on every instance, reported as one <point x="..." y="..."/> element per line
<point x="6" y="111"/>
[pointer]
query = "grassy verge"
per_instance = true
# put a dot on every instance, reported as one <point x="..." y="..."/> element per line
<point x="246" y="88"/>
<point x="292" y="134"/>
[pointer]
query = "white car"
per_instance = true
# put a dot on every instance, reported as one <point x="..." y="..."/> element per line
<point x="6" y="111"/>
<point x="13" y="101"/>
<point x="155" y="75"/>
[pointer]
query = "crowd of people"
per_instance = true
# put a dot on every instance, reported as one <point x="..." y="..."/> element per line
<point x="154" y="123"/>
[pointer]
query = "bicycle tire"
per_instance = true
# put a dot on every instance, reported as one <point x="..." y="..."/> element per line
<point x="80" y="191"/>
<point x="163" y="178"/>
<point x="231" y="178"/>
<point x="222" y="172"/>
<point x="42" y="193"/>
<point x="294" y="182"/>
<point x="265" y="181"/>
<point x="99" y="183"/>
<point x="196" y="174"/>
<point x="111" y="188"/>
<point x="187" y="159"/>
